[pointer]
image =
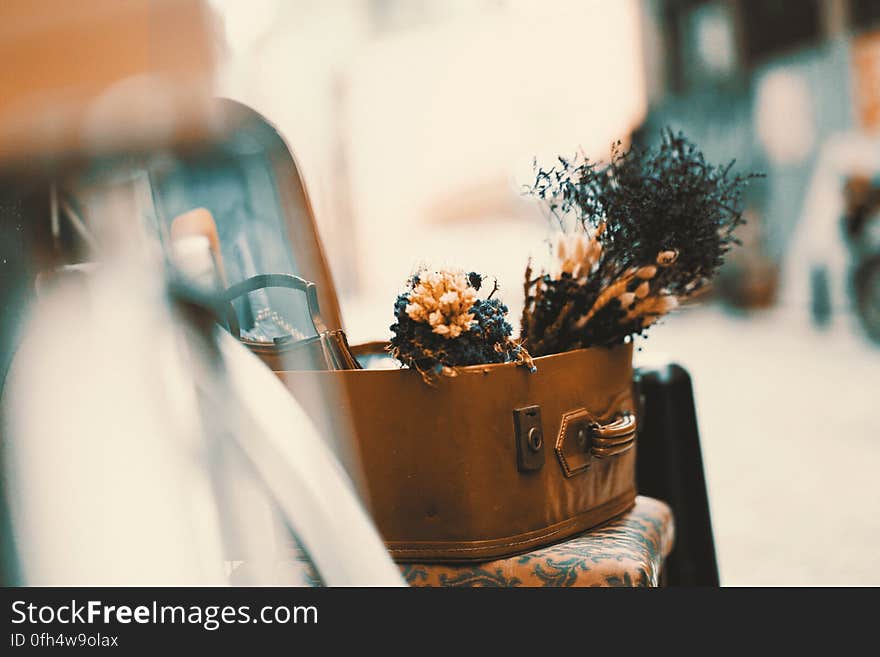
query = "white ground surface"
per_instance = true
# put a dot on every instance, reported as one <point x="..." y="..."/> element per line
<point x="790" y="427"/>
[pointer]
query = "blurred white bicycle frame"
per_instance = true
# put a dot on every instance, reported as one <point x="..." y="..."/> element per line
<point x="136" y="443"/>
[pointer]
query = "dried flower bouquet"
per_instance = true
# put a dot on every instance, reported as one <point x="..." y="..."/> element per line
<point x="637" y="237"/>
<point x="442" y="324"/>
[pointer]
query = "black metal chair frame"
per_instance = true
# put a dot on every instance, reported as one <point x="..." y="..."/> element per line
<point x="669" y="466"/>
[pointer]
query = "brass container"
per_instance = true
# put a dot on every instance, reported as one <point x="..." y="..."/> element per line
<point x="493" y="461"/>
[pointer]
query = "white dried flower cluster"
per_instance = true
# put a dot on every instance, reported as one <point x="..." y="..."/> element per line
<point x="443" y="300"/>
<point x="576" y="254"/>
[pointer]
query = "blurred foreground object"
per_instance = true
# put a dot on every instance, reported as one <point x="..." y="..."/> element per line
<point x="103" y="488"/>
<point x="92" y="75"/>
<point x="132" y="476"/>
<point x="140" y="442"/>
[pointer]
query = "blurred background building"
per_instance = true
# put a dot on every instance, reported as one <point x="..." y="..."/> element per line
<point x="416" y="122"/>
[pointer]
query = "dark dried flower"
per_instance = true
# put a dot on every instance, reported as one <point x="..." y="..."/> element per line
<point x="640" y="234"/>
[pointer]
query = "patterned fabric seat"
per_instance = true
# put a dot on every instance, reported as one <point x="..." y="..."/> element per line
<point x="628" y="551"/>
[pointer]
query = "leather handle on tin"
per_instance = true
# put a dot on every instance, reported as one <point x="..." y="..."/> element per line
<point x="582" y="438"/>
<point x="613" y="437"/>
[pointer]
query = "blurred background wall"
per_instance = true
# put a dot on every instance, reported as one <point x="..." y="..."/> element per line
<point x="416" y="121"/>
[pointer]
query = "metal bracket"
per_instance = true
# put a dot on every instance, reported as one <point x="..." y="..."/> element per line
<point x="575" y="441"/>
<point x="529" y="438"/>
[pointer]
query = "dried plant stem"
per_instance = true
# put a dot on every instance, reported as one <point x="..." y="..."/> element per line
<point x="610" y="292"/>
<point x="554" y="328"/>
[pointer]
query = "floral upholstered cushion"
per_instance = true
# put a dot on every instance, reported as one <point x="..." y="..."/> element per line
<point x="627" y="551"/>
